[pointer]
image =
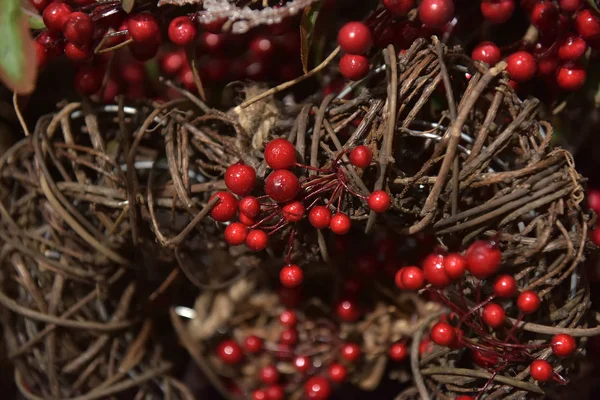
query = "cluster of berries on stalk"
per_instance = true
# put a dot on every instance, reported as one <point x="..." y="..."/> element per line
<point x="288" y="199"/>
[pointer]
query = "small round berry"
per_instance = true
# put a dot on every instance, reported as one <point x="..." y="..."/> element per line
<point x="235" y="233"/>
<point x="212" y="43"/>
<point x="317" y="388"/>
<point x="229" y="352"/>
<point x="289" y="337"/>
<point x="262" y="46"/>
<point x="455" y="265"/>
<point x="528" y="302"/>
<point x="41" y="54"/>
<point x="485" y="359"/>
<point x="144" y="51"/>
<point x="361" y="156"/>
<point x="435" y="272"/>
<point x="483" y="259"/>
<point x="547" y="65"/>
<point x="505" y="286"/>
<point x="133" y="73"/>
<point x="487" y="52"/>
<point x="182" y="31"/>
<point x="570" y="76"/>
<point x="269" y="374"/>
<point x="88" y="79"/>
<point x="302" y="363"/>
<point x="78" y="53"/>
<point x="56" y="15"/>
<point x="494" y="315"/>
<point x="398" y="352"/>
<point x="593" y="200"/>
<point x="79" y="28"/>
<point x="544" y="16"/>
<point x="541" y="370"/>
<point x="569" y="5"/>
<point x="225" y="208"/>
<point x="282" y="185"/>
<point x="443" y="334"/>
<point x="587" y="24"/>
<point x="572" y="48"/>
<point x="412" y="278"/>
<point x="291" y="276"/>
<point x="275" y="392"/>
<point x="246" y="220"/>
<point x="250" y="206"/>
<point x="143" y="27"/>
<point x="350" y="352"/>
<point x="497" y="11"/>
<point x="337" y="373"/>
<point x="355" y="38"/>
<point x="354" y="66"/>
<point x="425" y="346"/>
<point x="240" y="178"/>
<point x="340" y="224"/>
<point x="52" y="42"/>
<point x="319" y="217"/>
<point x="257" y="240"/>
<point x="288" y="318"/>
<point x="171" y="63"/>
<point x="379" y="201"/>
<point x="40" y="5"/>
<point x="398" y="279"/>
<point x="399" y="7"/>
<point x="294" y="211"/>
<point x="347" y="310"/>
<point x="521" y="66"/>
<point x="259" y="394"/>
<point x="436" y="13"/>
<point x="465" y="397"/>
<point x="563" y="345"/>
<point x="280" y="154"/>
<point x="253" y="344"/>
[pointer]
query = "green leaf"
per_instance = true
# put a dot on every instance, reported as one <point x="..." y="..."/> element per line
<point x="307" y="27"/>
<point x="17" y="56"/>
<point x="594" y="6"/>
<point x="36" y="22"/>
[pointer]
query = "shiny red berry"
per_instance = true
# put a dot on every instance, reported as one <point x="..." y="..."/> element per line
<point x="541" y="370"/>
<point x="443" y="334"/>
<point x="259" y="394"/>
<point x="235" y="233"/>
<point x="497" y="11"/>
<point x="317" y="388"/>
<point x="399" y="7"/>
<point x="528" y="302"/>
<point x="379" y="201"/>
<point x="398" y="352"/>
<point x="361" y="156"/>
<point x="340" y="224"/>
<point x="250" y="206"/>
<point x="52" y="42"/>
<point x="572" y="48"/>
<point x="262" y="46"/>
<point x="229" y="352"/>
<point x="79" y="28"/>
<point x="88" y="79"/>
<point x="56" y="15"/>
<point x="182" y="30"/>
<point x="398" y="279"/>
<point x="412" y="278"/>
<point x="225" y="208"/>
<point x="569" y="5"/>
<point x="544" y="16"/>
<point x="355" y="38"/>
<point x="78" y="53"/>
<point x="240" y="178"/>
<point x="587" y="24"/>
<point x="521" y="66"/>
<point x="563" y="345"/>
<point x="435" y="272"/>
<point x="319" y="217"/>
<point x="294" y="211"/>
<point x="593" y="200"/>
<point x="436" y="13"/>
<point x="246" y="220"/>
<point x="289" y="337"/>
<point x="347" y="310"/>
<point x="483" y="259"/>
<point x="269" y="374"/>
<point x="282" y="185"/>
<point x="253" y="344"/>
<point x="288" y="318"/>
<point x="505" y="286"/>
<point x="570" y="76"/>
<point x="487" y="52"/>
<point x="302" y="363"/>
<point x="337" y="373"/>
<point x="291" y="276"/>
<point x="257" y="240"/>
<point x="350" y="352"/>
<point x="143" y="27"/>
<point x="354" y="66"/>
<point x="41" y="54"/>
<point x="275" y="392"/>
<point x="171" y="63"/>
<point x="494" y="315"/>
<point x="455" y="265"/>
<point x="280" y="154"/>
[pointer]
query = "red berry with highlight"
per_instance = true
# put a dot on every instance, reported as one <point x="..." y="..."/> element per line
<point x="505" y="286"/>
<point x="572" y="48"/>
<point x="280" y="154"/>
<point x="289" y="337"/>
<point x="41" y="55"/>
<point x="76" y="53"/>
<point x="541" y="370"/>
<point x="172" y="63"/>
<point x="250" y="206"/>
<point x="455" y="265"/>
<point x="317" y="388"/>
<point x="494" y="315"/>
<point x="229" y="352"/>
<point x="435" y="272"/>
<point x="361" y="156"/>
<point x="259" y="395"/>
<point x="225" y="208"/>
<point x="302" y="363"/>
<point x="240" y="179"/>
<point x="182" y="31"/>
<point x="528" y="302"/>
<point x="521" y="66"/>
<point x="282" y="185"/>
<point x="347" y="310"/>
<point x="269" y="374"/>
<point x="398" y="352"/>
<point x="412" y="278"/>
<point x="253" y="344"/>
<point x="291" y="276"/>
<point x="143" y="27"/>
<point x="544" y="16"/>
<point x="443" y="334"/>
<point x="246" y="220"/>
<point x="436" y="13"/>
<point x="355" y="38"/>
<point x="587" y="24"/>
<point x="497" y="11"/>
<point x="487" y="52"/>
<point x="288" y="318"/>
<point x="319" y="217"/>
<point x="350" y="352"/>
<point x="235" y="233"/>
<point x="337" y="373"/>
<point x="79" y="28"/>
<point x="262" y="46"/>
<point x="275" y="392"/>
<point x="257" y="240"/>
<point x="563" y="345"/>
<point x="88" y="79"/>
<point x="569" y="5"/>
<point x="340" y="224"/>
<point x="354" y="66"/>
<point x="379" y="201"/>
<point x="570" y="76"/>
<point x="294" y="211"/>
<point x="483" y="259"/>
<point x="399" y="7"/>
<point x="56" y="15"/>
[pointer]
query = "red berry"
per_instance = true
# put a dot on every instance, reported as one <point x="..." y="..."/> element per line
<point x="55" y="16"/>
<point x="350" y="352"/>
<point x="487" y="52"/>
<point x="379" y="201"/>
<point x="291" y="276"/>
<point x="41" y="54"/>
<point x="250" y="206"/>
<point x="293" y="212"/>
<point x="52" y="42"/>
<point x="595" y="236"/>
<point x="225" y="208"/>
<point x="541" y="370"/>
<point x="494" y="315"/>
<point x="569" y="5"/>
<point x="587" y="24"/>
<point x="280" y="154"/>
<point x="317" y="388"/>
<point x="288" y="318"/>
<point x="443" y="334"/>
<point x="355" y="38"/>
<point x="570" y="76"/>
<point x="347" y="310"/>
<point x="521" y="66"/>
<point x="340" y="224"/>
<point x="412" y="278"/>
<point x="259" y="395"/>
<point x="212" y="42"/>
<point x="434" y="271"/>
<point x="337" y="373"/>
<point x="289" y="337"/>
<point x="182" y="31"/>
<point x="547" y="65"/>
<point x="398" y="279"/>
<point x="398" y="352"/>
<point x="455" y="265"/>
<point x="505" y="286"/>
<point x="593" y="200"/>
<point x="143" y="27"/>
<point x="436" y="13"/>
<point x="111" y="91"/>
<point x="79" y="28"/>
<point x="497" y="11"/>
<point x="253" y="344"/>
<point x="302" y="363"/>
<point x="269" y="374"/>
<point x="240" y="178"/>
<point x="235" y="233"/>
<point x="88" y="79"/>
<point x="361" y="156"/>
<point x="485" y="359"/>
<point x="144" y="51"/>
<point x="275" y="392"/>
<point x="133" y="73"/>
<point x="483" y="259"/>
<point x="528" y="302"/>
<point x="572" y="48"/>
<point x="354" y="66"/>
<point x="425" y="346"/>
<point x="262" y="46"/>
<point x="464" y="397"/>
<point x="76" y="53"/>
<point x="319" y="217"/>
<point x="399" y="7"/>
<point x="40" y="5"/>
<point x="257" y="240"/>
<point x="246" y="220"/>
<point x="171" y="63"/>
<point x="544" y="16"/>
<point x="229" y="352"/>
<point x="282" y="185"/>
<point x="563" y="345"/>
